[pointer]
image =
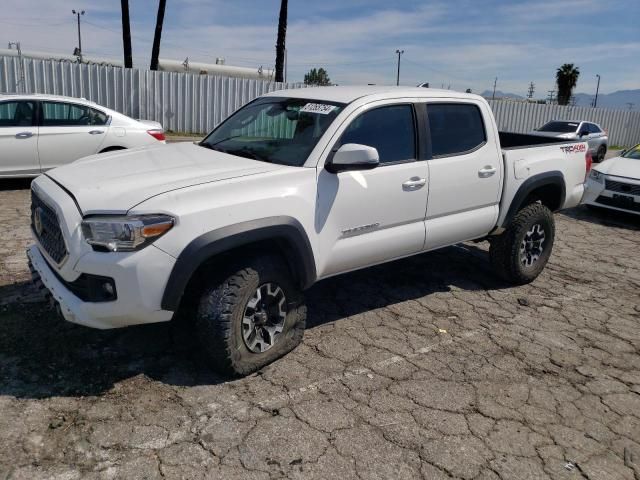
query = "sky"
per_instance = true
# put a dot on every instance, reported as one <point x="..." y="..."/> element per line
<point x="452" y="43"/>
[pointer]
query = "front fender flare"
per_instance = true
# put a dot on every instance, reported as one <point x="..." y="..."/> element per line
<point x="281" y="228"/>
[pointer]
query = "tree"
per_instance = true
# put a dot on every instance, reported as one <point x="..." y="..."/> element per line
<point x="566" y="78"/>
<point x="281" y="41"/>
<point x="318" y="77"/>
<point x="126" y="34"/>
<point x="155" y="51"/>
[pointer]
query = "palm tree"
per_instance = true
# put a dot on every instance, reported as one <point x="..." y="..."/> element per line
<point x="281" y="42"/>
<point x="566" y="78"/>
<point x="155" y="51"/>
<point x="126" y="34"/>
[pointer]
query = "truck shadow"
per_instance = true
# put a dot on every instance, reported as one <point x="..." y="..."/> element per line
<point x="605" y="217"/>
<point x="15" y="184"/>
<point x="42" y="356"/>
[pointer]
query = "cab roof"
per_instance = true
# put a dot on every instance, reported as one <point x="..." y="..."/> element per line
<point x="348" y="94"/>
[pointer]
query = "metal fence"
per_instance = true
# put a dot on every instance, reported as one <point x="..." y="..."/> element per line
<point x="623" y="125"/>
<point x="182" y="102"/>
<point x="185" y="102"/>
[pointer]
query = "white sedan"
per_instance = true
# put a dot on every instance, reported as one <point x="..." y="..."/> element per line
<point x="615" y="183"/>
<point x="40" y="132"/>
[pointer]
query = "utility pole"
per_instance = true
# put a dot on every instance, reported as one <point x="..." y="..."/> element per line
<point x="21" y="81"/>
<point x="595" y="100"/>
<point x="551" y="96"/>
<point x="495" y="82"/>
<point x="631" y="104"/>
<point x="532" y="88"/>
<point x="78" y="51"/>
<point x="399" y="52"/>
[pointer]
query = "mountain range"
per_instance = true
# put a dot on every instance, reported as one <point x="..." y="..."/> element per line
<point x="617" y="100"/>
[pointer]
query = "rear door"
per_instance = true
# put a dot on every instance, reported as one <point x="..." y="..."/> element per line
<point x="465" y="173"/>
<point x="69" y="131"/>
<point x="18" y="138"/>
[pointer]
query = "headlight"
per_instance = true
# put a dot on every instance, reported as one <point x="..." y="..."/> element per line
<point x="125" y="234"/>
<point x="596" y="176"/>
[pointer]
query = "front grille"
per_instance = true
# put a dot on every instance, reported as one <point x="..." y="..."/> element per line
<point x="620" y="187"/>
<point x="46" y="227"/>
<point x="618" y="203"/>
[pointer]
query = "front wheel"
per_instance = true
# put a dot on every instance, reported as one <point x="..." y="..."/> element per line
<point x="252" y="317"/>
<point x="521" y="252"/>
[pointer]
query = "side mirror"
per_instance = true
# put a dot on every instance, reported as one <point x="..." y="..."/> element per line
<point x="353" y="156"/>
<point x="583" y="133"/>
<point x="623" y="152"/>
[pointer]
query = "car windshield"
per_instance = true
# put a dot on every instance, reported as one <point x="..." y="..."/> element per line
<point x="633" y="153"/>
<point x="274" y="129"/>
<point x="559" y="127"/>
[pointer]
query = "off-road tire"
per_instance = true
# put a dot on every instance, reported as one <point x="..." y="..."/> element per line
<point x="504" y="250"/>
<point x="222" y="306"/>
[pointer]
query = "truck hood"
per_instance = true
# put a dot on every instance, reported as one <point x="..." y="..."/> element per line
<point x="116" y="182"/>
<point x="621" y="167"/>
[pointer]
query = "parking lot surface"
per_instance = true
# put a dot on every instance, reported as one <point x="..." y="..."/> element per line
<point x="429" y="367"/>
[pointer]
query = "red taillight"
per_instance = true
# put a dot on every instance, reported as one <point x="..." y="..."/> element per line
<point x="588" y="160"/>
<point x="157" y="134"/>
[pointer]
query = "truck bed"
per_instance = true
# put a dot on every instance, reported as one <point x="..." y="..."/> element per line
<point x="511" y="140"/>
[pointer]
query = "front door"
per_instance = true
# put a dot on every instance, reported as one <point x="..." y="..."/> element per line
<point x="18" y="139"/>
<point x="68" y="132"/>
<point x="367" y="217"/>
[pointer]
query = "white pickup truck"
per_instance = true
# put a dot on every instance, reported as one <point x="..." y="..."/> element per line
<point x="295" y="187"/>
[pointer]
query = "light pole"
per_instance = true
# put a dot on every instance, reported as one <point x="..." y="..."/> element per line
<point x="399" y="52"/>
<point x="79" y="52"/>
<point x="595" y="100"/>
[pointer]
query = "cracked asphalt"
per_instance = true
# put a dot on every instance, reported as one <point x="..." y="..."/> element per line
<point x="427" y="368"/>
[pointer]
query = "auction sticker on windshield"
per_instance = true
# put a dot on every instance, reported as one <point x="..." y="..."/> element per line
<point x="321" y="108"/>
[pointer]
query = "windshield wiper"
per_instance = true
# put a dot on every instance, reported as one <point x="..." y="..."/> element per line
<point x="247" y="153"/>
<point x="226" y="139"/>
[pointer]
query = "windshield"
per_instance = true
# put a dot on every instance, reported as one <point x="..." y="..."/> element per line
<point x="559" y="127"/>
<point x="274" y="129"/>
<point x="633" y="153"/>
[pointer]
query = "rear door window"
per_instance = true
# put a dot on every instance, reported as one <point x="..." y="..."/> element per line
<point x="17" y="114"/>
<point x="456" y="128"/>
<point x="60" y="114"/>
<point x="594" y="128"/>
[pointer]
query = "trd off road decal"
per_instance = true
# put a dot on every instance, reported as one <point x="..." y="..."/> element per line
<point x="574" y="148"/>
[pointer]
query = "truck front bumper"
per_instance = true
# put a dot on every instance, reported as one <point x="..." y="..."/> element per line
<point x="139" y="285"/>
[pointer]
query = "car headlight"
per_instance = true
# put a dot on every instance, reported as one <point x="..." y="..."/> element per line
<point x="125" y="234"/>
<point x="596" y="176"/>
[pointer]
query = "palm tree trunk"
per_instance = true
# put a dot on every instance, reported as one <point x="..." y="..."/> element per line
<point x="155" y="52"/>
<point x="126" y="34"/>
<point x="281" y="42"/>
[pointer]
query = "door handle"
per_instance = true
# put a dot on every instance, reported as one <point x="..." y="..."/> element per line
<point x="414" y="183"/>
<point x="486" y="171"/>
<point x="24" y="135"/>
<point x="96" y="132"/>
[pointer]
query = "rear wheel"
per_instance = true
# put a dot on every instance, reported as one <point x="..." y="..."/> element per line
<point x="252" y="317"/>
<point x="521" y="252"/>
<point x="602" y="151"/>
